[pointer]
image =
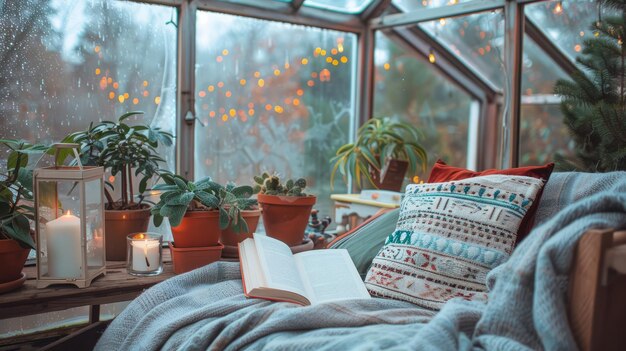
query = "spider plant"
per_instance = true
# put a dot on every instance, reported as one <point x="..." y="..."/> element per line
<point x="378" y="141"/>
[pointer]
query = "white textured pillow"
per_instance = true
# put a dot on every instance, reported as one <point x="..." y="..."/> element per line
<point x="449" y="236"/>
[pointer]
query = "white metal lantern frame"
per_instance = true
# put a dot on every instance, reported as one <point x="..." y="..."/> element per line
<point x="80" y="175"/>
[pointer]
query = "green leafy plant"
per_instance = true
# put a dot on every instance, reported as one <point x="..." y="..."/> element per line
<point x="180" y="195"/>
<point x="594" y="100"/>
<point x="271" y="185"/>
<point x="379" y="140"/>
<point x="16" y="193"/>
<point x="122" y="148"/>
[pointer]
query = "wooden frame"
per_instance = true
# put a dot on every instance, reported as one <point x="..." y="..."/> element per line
<point x="597" y="312"/>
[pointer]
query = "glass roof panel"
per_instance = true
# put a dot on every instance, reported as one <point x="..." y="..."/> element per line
<point x="412" y="5"/>
<point x="345" y="6"/>
<point x="567" y="23"/>
<point x="539" y="71"/>
<point x="477" y="40"/>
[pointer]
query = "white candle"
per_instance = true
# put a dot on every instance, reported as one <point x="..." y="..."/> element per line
<point x="64" y="251"/>
<point x="146" y="256"/>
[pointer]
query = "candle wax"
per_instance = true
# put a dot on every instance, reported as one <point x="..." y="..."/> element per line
<point x="64" y="249"/>
<point x="146" y="255"/>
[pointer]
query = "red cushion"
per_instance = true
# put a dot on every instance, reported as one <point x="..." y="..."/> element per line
<point x="441" y="172"/>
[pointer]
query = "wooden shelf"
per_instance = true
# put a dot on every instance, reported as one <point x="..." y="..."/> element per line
<point x="116" y="286"/>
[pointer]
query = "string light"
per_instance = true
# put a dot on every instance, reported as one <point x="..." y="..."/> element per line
<point x="431" y="56"/>
<point x="558" y="9"/>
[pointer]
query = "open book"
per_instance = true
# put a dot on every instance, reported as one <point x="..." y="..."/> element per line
<point x="270" y="271"/>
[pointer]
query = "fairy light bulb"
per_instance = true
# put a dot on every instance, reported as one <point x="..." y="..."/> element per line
<point x="431" y="56"/>
<point x="558" y="9"/>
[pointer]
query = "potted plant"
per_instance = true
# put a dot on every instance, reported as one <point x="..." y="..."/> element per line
<point x="16" y="197"/>
<point x="198" y="212"/>
<point x="286" y="208"/>
<point x="239" y="230"/>
<point x="383" y="151"/>
<point x="130" y="151"/>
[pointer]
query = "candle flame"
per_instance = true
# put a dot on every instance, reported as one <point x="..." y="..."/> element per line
<point x="141" y="236"/>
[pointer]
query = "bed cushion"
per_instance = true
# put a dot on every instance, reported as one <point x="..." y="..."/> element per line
<point x="449" y="236"/>
<point x="441" y="172"/>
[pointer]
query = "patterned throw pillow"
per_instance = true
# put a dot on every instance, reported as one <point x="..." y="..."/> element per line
<point x="449" y="236"/>
<point x="441" y="172"/>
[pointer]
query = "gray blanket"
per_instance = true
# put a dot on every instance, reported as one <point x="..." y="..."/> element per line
<point x="205" y="309"/>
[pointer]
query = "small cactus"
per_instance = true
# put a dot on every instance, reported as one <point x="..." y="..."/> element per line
<point x="301" y="182"/>
<point x="271" y="185"/>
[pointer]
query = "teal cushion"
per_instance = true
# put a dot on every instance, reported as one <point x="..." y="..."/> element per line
<point x="366" y="241"/>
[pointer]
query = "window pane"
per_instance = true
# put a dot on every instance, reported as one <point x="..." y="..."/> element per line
<point x="542" y="132"/>
<point x="347" y="6"/>
<point x="477" y="39"/>
<point x="272" y="97"/>
<point x="408" y="87"/>
<point x="65" y="65"/>
<point x="412" y="5"/>
<point x="568" y="23"/>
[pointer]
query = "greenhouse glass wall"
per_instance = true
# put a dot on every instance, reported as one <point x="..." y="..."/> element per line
<point x="253" y="86"/>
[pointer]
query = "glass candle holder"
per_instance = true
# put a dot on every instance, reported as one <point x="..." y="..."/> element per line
<point x="145" y="254"/>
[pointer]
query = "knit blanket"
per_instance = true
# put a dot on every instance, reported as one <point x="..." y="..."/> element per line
<point x="205" y="309"/>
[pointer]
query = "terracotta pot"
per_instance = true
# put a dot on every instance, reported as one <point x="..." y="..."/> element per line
<point x="190" y="258"/>
<point x="393" y="176"/>
<point x="12" y="259"/>
<point x="118" y="224"/>
<point x="286" y="217"/>
<point x="230" y="238"/>
<point x="198" y="229"/>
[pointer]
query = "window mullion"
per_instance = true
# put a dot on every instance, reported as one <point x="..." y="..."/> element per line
<point x="186" y="88"/>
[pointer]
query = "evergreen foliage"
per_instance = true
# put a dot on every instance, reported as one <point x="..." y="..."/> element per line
<point x="594" y="101"/>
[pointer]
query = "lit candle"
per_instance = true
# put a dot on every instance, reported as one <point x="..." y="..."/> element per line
<point x="64" y="251"/>
<point x="146" y="256"/>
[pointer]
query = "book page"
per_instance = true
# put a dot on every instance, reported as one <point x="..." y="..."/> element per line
<point x="251" y="266"/>
<point x="278" y="264"/>
<point x="330" y="275"/>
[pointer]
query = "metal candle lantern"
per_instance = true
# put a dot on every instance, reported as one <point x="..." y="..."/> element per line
<point x="69" y="211"/>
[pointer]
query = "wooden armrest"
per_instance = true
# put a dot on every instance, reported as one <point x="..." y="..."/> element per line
<point x="597" y="312"/>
